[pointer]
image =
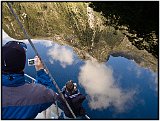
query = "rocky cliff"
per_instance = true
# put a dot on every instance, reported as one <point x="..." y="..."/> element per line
<point x="74" y="24"/>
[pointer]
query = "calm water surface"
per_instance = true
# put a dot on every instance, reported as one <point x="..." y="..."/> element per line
<point x="128" y="76"/>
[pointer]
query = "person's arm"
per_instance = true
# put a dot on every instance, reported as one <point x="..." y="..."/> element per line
<point x="47" y="97"/>
<point x="78" y="100"/>
<point x="47" y="92"/>
<point x="42" y="77"/>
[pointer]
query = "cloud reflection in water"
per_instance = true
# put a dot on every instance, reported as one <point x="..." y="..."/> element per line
<point x="99" y="84"/>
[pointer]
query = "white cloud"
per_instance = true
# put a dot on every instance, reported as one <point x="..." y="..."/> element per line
<point x="138" y="71"/>
<point x="153" y="81"/>
<point x="98" y="82"/>
<point x="62" y="54"/>
<point x="6" y="37"/>
<point x="135" y="68"/>
<point x="46" y="43"/>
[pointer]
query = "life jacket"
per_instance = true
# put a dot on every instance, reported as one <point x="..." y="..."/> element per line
<point x="75" y="101"/>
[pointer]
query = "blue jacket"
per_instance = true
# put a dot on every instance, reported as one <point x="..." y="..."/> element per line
<point x="21" y="100"/>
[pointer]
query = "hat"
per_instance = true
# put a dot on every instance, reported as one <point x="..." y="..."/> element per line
<point x="13" y="56"/>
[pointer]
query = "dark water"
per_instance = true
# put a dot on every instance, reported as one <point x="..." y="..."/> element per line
<point x="128" y="76"/>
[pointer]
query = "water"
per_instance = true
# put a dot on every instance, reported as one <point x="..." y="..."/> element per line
<point x="127" y="92"/>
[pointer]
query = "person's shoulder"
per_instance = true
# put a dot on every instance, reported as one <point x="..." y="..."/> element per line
<point x="39" y="88"/>
<point x="43" y="91"/>
<point x="63" y="89"/>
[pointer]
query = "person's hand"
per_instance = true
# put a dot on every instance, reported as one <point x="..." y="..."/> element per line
<point x="38" y="64"/>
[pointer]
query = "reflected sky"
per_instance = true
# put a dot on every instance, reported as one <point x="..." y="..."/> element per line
<point x="117" y="89"/>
